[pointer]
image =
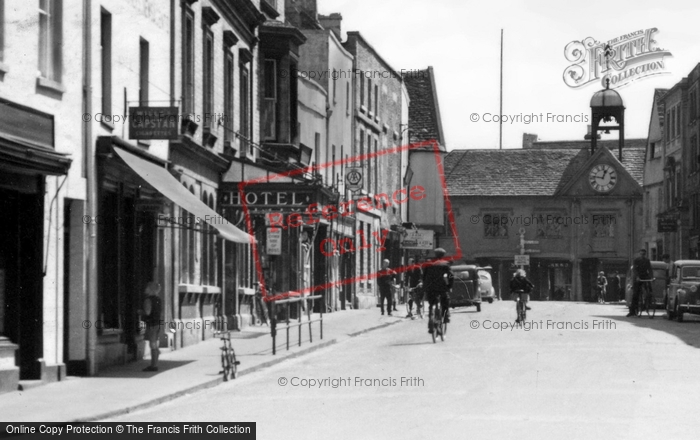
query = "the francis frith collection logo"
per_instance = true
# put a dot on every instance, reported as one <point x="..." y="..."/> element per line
<point x="622" y="60"/>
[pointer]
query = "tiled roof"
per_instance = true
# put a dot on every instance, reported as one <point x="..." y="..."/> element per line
<point x="424" y="110"/>
<point x="610" y="144"/>
<point x="524" y="172"/>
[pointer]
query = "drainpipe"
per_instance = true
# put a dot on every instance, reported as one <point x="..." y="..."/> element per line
<point x="91" y="196"/>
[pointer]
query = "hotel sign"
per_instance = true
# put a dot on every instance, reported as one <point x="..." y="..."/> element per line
<point x="154" y="123"/>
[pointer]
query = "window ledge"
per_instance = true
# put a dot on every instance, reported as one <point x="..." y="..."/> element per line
<point x="4" y="68"/>
<point x="53" y="86"/>
<point x="108" y="125"/>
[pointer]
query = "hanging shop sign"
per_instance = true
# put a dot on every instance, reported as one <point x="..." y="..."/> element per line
<point x="154" y="123"/>
<point x="418" y="239"/>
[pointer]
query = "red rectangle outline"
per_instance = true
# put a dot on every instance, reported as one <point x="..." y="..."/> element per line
<point x="256" y="256"/>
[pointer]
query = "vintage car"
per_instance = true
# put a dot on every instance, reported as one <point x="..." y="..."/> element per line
<point x="465" y="290"/>
<point x="683" y="296"/>
<point x="658" y="286"/>
<point x="486" y="289"/>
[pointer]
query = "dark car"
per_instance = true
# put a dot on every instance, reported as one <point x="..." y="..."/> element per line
<point x="683" y="296"/>
<point x="465" y="290"/>
<point x="658" y="286"/>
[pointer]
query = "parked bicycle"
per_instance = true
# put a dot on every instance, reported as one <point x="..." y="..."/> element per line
<point x="647" y="303"/>
<point x="229" y="364"/>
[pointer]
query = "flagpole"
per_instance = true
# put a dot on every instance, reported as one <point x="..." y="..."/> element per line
<point x="500" y="123"/>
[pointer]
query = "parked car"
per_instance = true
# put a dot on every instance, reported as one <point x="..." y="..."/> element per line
<point x="486" y="289"/>
<point x="658" y="286"/>
<point x="465" y="291"/>
<point x="683" y="296"/>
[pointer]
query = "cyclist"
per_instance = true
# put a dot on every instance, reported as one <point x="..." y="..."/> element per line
<point x="521" y="286"/>
<point x="641" y="270"/>
<point x="437" y="282"/>
<point x="413" y="279"/>
<point x="602" y="284"/>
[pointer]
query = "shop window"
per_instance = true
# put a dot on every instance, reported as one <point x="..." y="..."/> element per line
<point x="495" y="224"/>
<point x="193" y="245"/>
<point x="205" y="231"/>
<point x="184" y="244"/>
<point x="549" y="224"/>
<point x="51" y="39"/>
<point x="213" y="275"/>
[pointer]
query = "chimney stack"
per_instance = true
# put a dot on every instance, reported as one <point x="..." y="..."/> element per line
<point x="528" y="140"/>
<point x="332" y="23"/>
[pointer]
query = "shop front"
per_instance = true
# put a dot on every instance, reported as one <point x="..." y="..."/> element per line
<point x="27" y="157"/>
<point x="145" y="215"/>
<point x="296" y="246"/>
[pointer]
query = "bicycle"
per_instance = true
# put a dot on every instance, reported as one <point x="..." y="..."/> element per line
<point x="600" y="294"/>
<point x="416" y="294"/>
<point x="520" y="306"/>
<point x="646" y="303"/>
<point x="229" y="364"/>
<point x="438" y="326"/>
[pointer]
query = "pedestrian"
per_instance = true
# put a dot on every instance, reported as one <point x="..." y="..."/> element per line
<point x="641" y="270"/>
<point x="615" y="287"/>
<point x="667" y="259"/>
<point x="602" y="284"/>
<point x="413" y="279"/>
<point x="386" y="279"/>
<point x="151" y="316"/>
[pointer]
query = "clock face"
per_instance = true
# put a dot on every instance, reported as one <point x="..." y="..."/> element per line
<point x="602" y="177"/>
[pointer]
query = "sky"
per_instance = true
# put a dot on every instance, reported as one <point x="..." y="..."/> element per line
<point x="461" y="39"/>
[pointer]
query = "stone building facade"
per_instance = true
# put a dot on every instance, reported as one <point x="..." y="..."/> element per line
<point x="545" y="192"/>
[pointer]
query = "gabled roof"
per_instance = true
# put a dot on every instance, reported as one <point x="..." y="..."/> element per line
<point x="658" y="94"/>
<point x="524" y="172"/>
<point x="424" y="110"/>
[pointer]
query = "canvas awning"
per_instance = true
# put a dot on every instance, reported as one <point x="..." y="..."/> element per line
<point x="166" y="184"/>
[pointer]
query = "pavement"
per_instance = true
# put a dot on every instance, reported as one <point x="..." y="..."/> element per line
<point x="123" y="389"/>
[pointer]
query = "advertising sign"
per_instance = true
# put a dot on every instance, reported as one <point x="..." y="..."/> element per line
<point x="154" y="123"/>
<point x="418" y="239"/>
<point x="274" y="241"/>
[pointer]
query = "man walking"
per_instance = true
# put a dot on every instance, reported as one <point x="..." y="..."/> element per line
<point x="152" y="317"/>
<point x="386" y="279"/>
<point x="413" y="278"/>
<point x="641" y="270"/>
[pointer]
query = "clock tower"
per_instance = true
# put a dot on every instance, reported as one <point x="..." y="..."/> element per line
<point x="607" y="105"/>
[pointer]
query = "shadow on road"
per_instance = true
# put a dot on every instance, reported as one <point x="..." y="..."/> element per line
<point x="687" y="331"/>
